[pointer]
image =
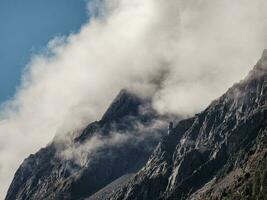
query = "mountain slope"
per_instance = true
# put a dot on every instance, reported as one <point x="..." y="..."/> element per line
<point x="220" y="153"/>
<point x="117" y="145"/>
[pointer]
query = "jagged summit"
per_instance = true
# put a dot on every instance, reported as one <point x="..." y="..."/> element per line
<point x="264" y="55"/>
<point x="261" y="66"/>
<point x="125" y="148"/>
<point x="126" y="103"/>
<point x="263" y="60"/>
<point x="219" y="154"/>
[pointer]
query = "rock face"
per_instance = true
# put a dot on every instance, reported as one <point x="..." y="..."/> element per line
<point x="220" y="153"/>
<point x="79" y="167"/>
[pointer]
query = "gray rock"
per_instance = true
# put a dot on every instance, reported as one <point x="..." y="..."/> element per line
<point x="207" y="148"/>
<point x="220" y="153"/>
<point x="45" y="175"/>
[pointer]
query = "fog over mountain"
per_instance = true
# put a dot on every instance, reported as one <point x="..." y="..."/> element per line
<point x="182" y="54"/>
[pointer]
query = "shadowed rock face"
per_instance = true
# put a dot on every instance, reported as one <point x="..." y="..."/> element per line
<point x="48" y="175"/>
<point x="219" y="145"/>
<point x="220" y="153"/>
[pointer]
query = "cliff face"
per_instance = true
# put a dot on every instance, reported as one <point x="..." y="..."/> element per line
<point x="218" y="154"/>
<point x="117" y="145"/>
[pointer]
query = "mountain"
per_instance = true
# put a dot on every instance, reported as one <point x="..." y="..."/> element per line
<point x="77" y="167"/>
<point x="220" y="153"/>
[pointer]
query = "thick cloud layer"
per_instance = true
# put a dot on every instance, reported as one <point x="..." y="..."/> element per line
<point x="182" y="53"/>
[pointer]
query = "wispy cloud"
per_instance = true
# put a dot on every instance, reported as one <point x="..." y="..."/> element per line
<point x="202" y="46"/>
<point x="145" y="135"/>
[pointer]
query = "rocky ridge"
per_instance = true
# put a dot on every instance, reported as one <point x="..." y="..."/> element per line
<point x="117" y="145"/>
<point x="214" y="155"/>
<point x="220" y="153"/>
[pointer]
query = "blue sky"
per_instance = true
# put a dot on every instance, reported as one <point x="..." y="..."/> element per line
<point x="26" y="26"/>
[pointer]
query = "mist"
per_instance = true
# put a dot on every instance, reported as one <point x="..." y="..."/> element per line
<point x="82" y="153"/>
<point x="182" y="54"/>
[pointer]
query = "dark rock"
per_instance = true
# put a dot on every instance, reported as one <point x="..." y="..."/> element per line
<point x="46" y="175"/>
<point x="208" y="147"/>
<point x="219" y="153"/>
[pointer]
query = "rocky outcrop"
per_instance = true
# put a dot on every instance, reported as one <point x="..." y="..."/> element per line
<point x="103" y="152"/>
<point x="227" y="141"/>
<point x="220" y="153"/>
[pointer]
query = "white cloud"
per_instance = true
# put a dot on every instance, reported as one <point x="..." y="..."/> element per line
<point x="80" y="153"/>
<point x="203" y="45"/>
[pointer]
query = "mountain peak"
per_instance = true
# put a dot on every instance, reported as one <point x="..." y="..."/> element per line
<point x="219" y="153"/>
<point x="126" y="103"/>
<point x="262" y="64"/>
<point x="212" y="154"/>
<point x="260" y="69"/>
<point x="264" y="54"/>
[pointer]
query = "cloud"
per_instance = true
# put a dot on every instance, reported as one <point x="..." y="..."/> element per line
<point x="182" y="53"/>
<point x="81" y="154"/>
<point x="219" y="43"/>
